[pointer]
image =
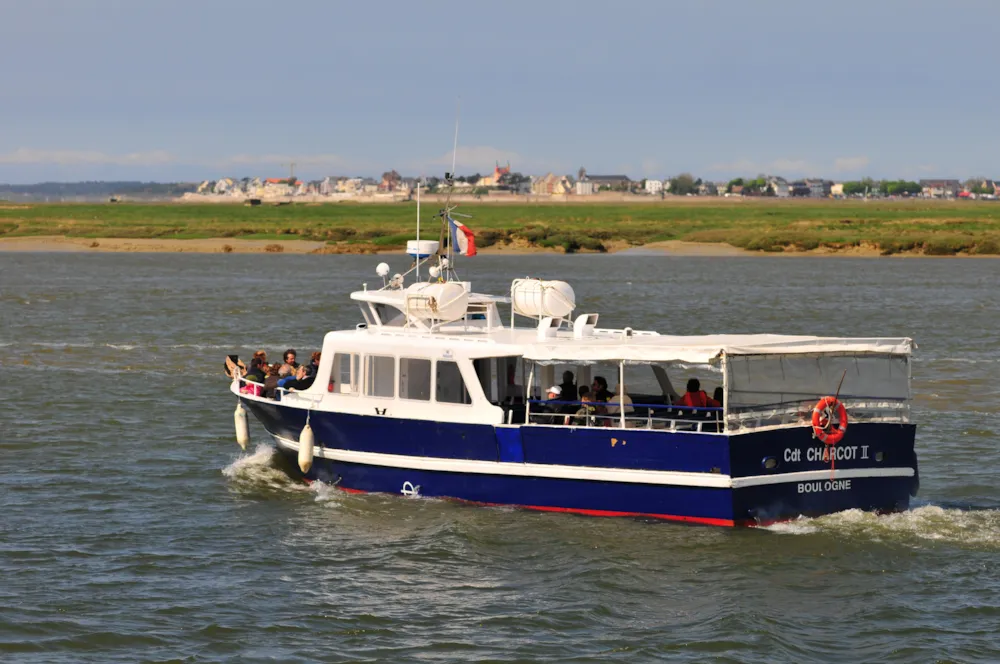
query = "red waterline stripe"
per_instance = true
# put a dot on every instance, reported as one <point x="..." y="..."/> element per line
<point x="668" y="517"/>
<point x="708" y="521"/>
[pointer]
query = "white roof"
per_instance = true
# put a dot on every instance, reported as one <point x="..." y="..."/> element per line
<point x="703" y="349"/>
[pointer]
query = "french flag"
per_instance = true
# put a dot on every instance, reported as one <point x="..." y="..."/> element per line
<point x="462" y="239"/>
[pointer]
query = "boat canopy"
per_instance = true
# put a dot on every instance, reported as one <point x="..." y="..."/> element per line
<point x="648" y="349"/>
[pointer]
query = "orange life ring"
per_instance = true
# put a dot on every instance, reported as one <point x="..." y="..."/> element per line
<point x="822" y="420"/>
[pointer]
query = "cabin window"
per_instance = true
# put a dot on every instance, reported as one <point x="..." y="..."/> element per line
<point x="414" y="379"/>
<point x="485" y="371"/>
<point x="380" y="376"/>
<point x="346" y="373"/>
<point x="450" y="388"/>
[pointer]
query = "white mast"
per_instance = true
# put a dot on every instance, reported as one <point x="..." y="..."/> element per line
<point x="418" y="229"/>
<point x="454" y="159"/>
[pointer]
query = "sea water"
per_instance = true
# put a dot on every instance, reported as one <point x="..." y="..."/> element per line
<point x="132" y="528"/>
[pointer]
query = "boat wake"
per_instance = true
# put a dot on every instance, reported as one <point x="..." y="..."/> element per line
<point x="262" y="470"/>
<point x="979" y="529"/>
<point x="265" y="471"/>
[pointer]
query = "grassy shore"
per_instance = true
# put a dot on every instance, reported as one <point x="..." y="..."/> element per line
<point x="888" y="227"/>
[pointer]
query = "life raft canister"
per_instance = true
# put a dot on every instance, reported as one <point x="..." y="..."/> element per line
<point x="822" y="420"/>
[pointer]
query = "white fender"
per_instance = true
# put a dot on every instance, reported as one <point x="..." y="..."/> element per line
<point x="306" y="444"/>
<point x="242" y="428"/>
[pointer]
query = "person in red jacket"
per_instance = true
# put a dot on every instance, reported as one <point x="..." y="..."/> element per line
<point x="695" y="397"/>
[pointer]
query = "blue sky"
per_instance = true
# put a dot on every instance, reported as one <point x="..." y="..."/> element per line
<point x="193" y="90"/>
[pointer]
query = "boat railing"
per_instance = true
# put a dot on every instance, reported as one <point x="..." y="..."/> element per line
<point x="860" y="409"/>
<point x="637" y="416"/>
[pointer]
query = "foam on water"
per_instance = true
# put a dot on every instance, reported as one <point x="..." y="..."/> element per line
<point x="326" y="493"/>
<point x="260" y="470"/>
<point x="978" y="529"/>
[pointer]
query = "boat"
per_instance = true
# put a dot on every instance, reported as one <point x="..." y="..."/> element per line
<point x="439" y="391"/>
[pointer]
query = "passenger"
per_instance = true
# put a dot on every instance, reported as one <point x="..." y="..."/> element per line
<point x="302" y="380"/>
<point x="260" y="355"/>
<point x="568" y="385"/>
<point x="290" y="362"/>
<point x="271" y="381"/>
<point x="313" y="365"/>
<point x="583" y="390"/>
<point x="257" y="368"/>
<point x="584" y="416"/>
<point x="620" y="399"/>
<point x="695" y="397"/>
<point x="717" y="395"/>
<point x="599" y="389"/>
<point x="547" y="411"/>
<point x="254" y="378"/>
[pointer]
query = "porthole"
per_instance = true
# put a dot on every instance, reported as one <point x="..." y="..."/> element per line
<point x="769" y="463"/>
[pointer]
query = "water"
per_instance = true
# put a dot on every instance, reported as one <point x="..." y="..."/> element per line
<point x="132" y="528"/>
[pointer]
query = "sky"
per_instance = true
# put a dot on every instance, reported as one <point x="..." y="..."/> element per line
<point x="182" y="90"/>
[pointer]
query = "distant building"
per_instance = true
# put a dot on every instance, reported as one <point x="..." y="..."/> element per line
<point x="224" y="186"/>
<point x="837" y="190"/>
<point x="613" y="182"/>
<point x="494" y="179"/>
<point x="584" y="188"/>
<point x="780" y="187"/>
<point x="654" y="186"/>
<point x="818" y="188"/>
<point x="799" y="188"/>
<point x="551" y="184"/>
<point x="940" y="188"/>
<point x="281" y="186"/>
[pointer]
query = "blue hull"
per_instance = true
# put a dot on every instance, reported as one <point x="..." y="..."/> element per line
<point x="743" y="479"/>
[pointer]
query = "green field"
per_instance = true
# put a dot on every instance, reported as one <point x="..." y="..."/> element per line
<point x="930" y="227"/>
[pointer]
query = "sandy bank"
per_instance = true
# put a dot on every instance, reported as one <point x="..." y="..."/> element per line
<point x="55" y="243"/>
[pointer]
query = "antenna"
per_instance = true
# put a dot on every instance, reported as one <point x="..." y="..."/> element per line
<point x="447" y="255"/>
<point x="454" y="149"/>
<point x="418" y="228"/>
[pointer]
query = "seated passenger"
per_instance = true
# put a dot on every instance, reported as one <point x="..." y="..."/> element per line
<point x="302" y="380"/>
<point x="620" y="399"/>
<point x="695" y="397"/>
<point x="290" y="362"/>
<point x="271" y="380"/>
<point x="584" y="416"/>
<point x="583" y="390"/>
<point x="717" y="395"/>
<point x="548" y="411"/>
<point x="254" y="378"/>
<point x="256" y="372"/>
<point x="599" y="389"/>
<point x="568" y="385"/>
<point x="313" y="365"/>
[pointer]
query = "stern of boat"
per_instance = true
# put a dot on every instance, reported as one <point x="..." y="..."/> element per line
<point x="784" y="473"/>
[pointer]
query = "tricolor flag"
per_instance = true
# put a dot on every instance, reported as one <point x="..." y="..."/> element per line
<point x="462" y="239"/>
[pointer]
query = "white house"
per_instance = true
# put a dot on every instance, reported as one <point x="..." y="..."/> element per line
<point x="583" y="188"/>
<point x="654" y="186"/>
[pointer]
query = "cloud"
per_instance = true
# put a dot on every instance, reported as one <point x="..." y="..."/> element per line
<point x="651" y="167"/>
<point x="478" y="158"/>
<point x="751" y="167"/>
<point x="849" y="164"/>
<point x="74" y="157"/>
<point x="283" y="160"/>
<point x="740" y="166"/>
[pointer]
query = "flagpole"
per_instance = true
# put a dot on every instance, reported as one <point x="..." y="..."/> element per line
<point x="418" y="229"/>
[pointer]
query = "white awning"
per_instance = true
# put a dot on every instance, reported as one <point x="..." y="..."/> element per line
<point x="704" y="349"/>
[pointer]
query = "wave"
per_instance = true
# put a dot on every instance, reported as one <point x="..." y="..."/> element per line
<point x="262" y="469"/>
<point x="929" y="523"/>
